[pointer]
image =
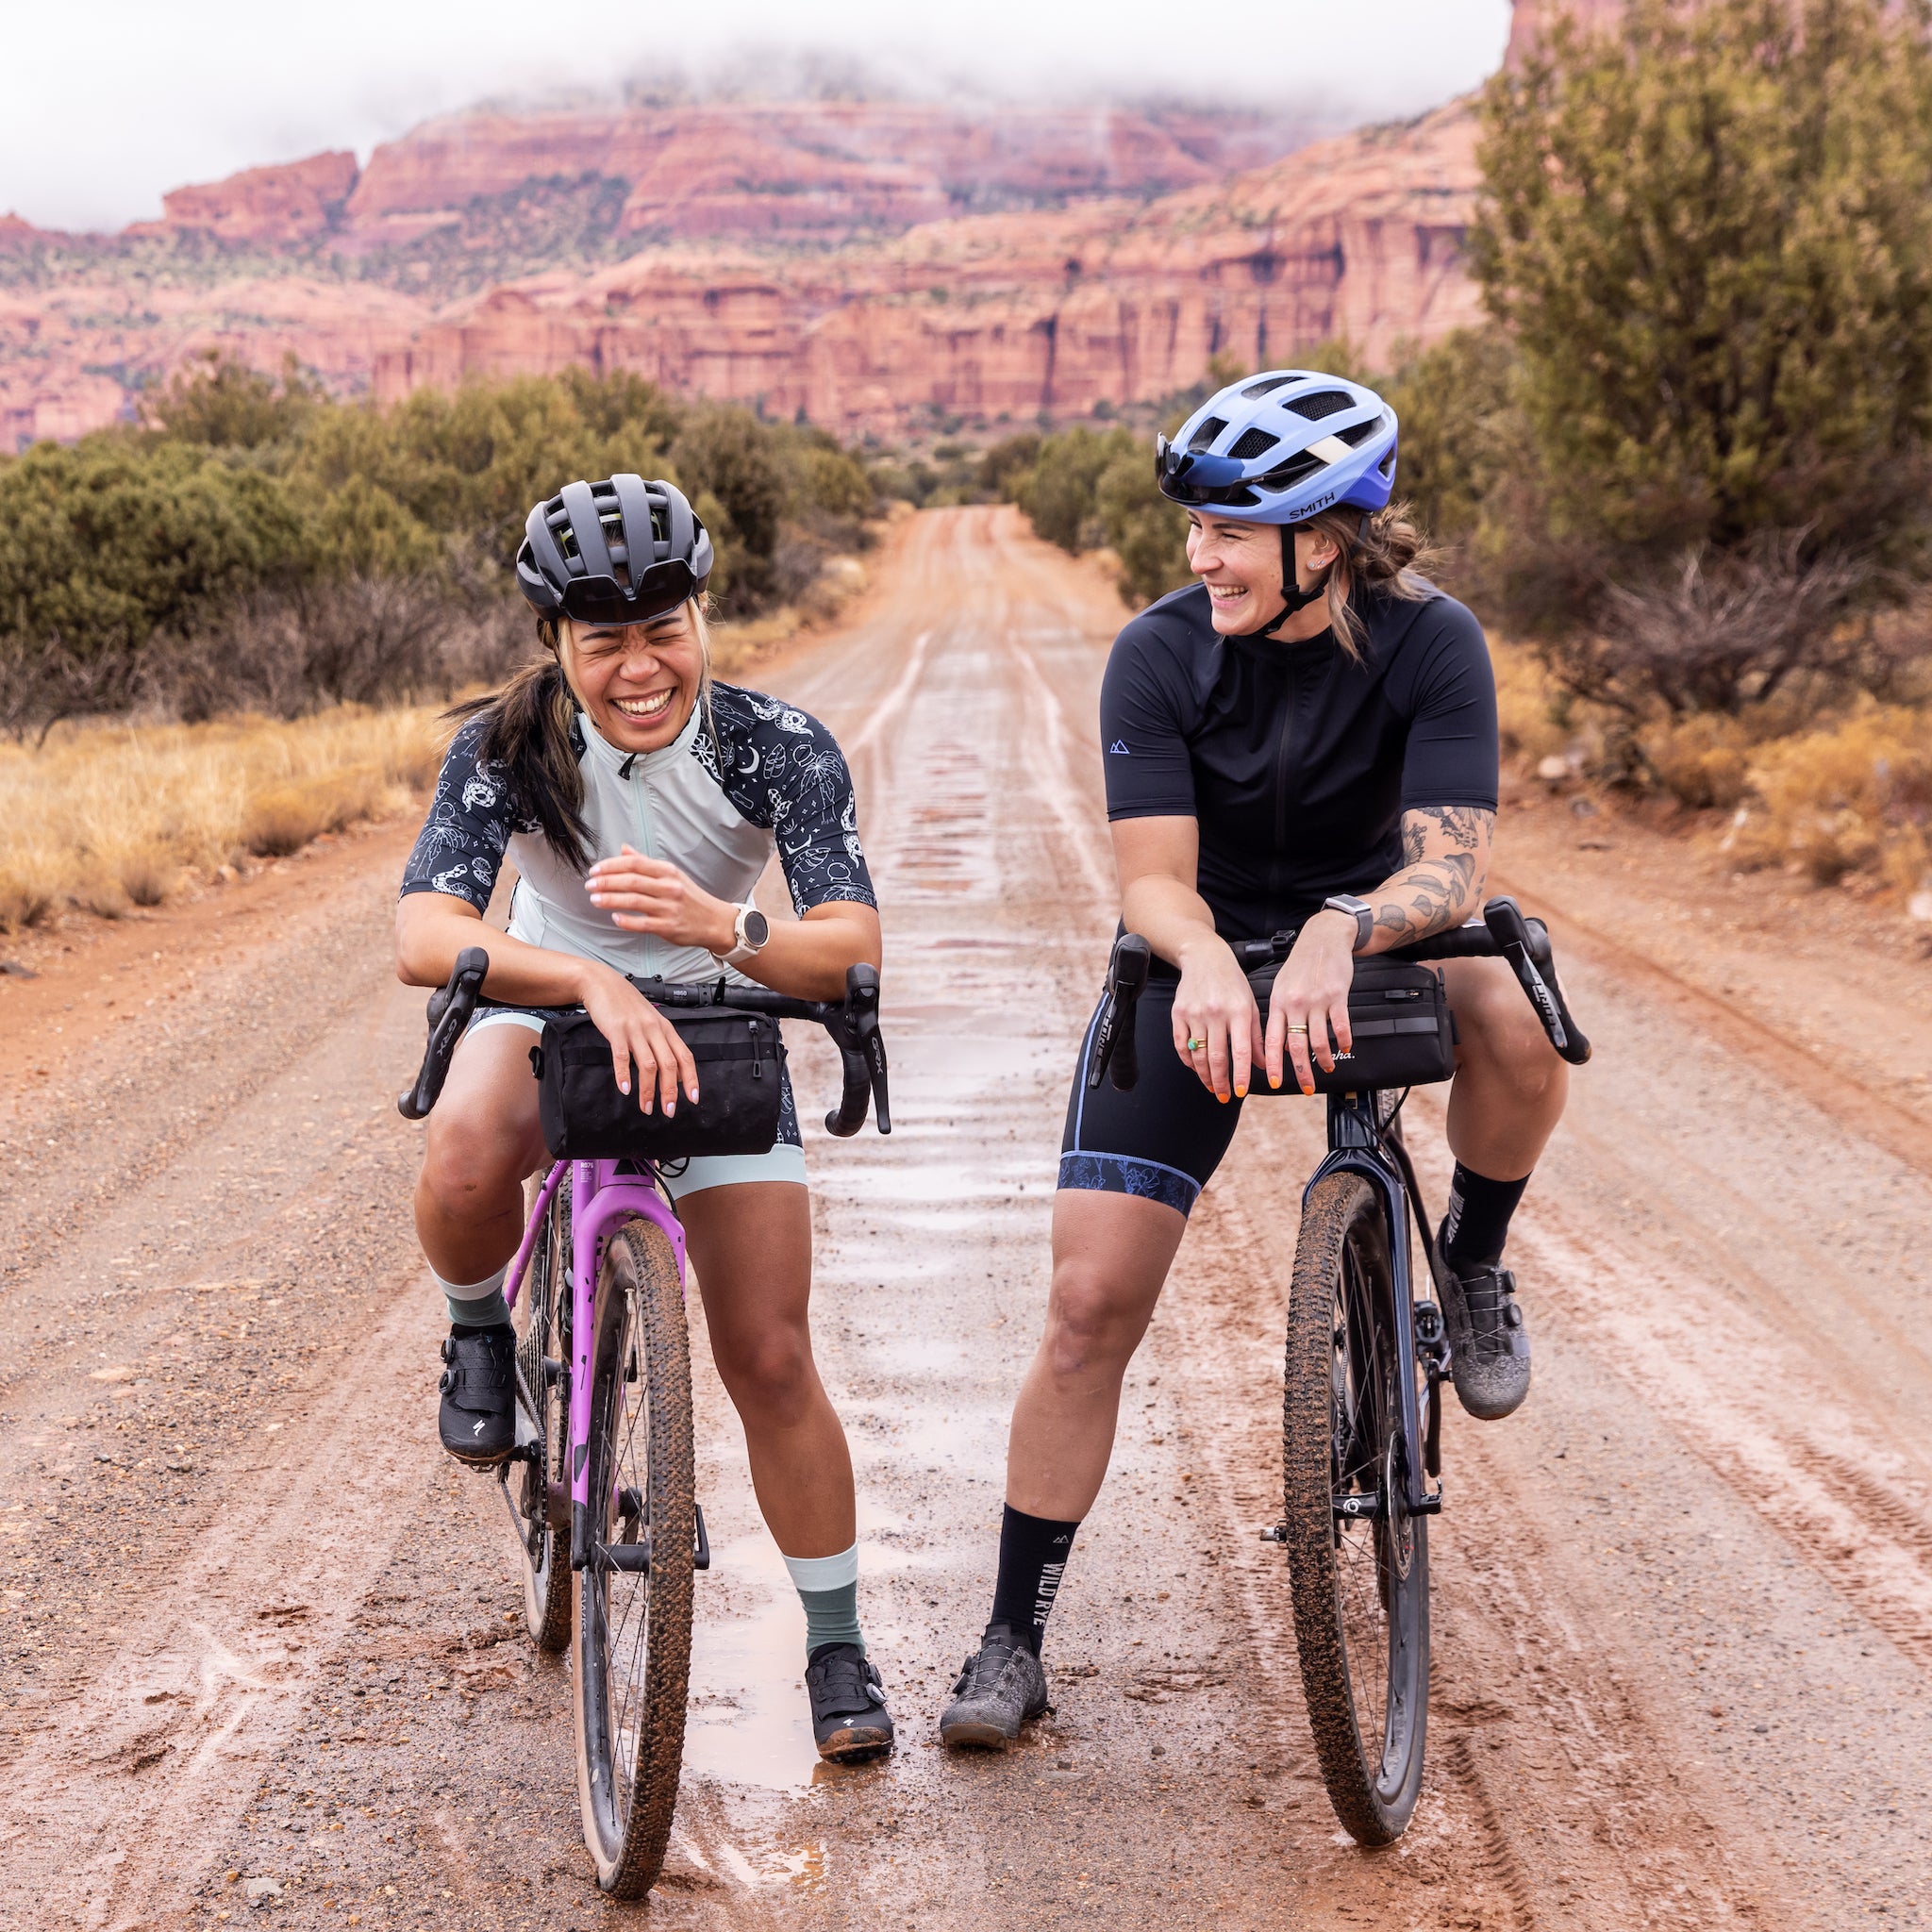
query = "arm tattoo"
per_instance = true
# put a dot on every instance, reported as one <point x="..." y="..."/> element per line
<point x="1432" y="893"/>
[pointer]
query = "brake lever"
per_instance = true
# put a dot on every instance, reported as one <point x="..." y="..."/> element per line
<point x="1517" y="942"/>
<point x="1115" y="1048"/>
<point x="855" y="1029"/>
<point x="450" y="1008"/>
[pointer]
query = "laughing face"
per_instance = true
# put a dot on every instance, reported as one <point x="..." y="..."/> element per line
<point x="637" y="682"/>
<point x="1241" y="564"/>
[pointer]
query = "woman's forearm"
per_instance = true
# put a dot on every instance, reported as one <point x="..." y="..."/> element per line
<point x="809" y="958"/>
<point x="1173" y="918"/>
<point x="432" y="929"/>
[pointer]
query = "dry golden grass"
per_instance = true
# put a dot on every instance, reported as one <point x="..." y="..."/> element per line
<point x="1851" y="797"/>
<point x="105" y="815"/>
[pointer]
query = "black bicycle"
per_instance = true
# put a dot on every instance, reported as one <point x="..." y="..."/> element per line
<point x="1362" y="1396"/>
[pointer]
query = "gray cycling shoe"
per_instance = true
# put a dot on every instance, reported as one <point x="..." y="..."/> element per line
<point x="849" y="1718"/>
<point x="1002" y="1685"/>
<point x="1489" y="1341"/>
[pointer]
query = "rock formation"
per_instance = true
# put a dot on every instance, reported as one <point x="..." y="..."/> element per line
<point x="869" y="263"/>
<point x="1009" y="315"/>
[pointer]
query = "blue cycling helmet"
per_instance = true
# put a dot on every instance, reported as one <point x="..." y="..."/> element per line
<point x="1281" y="447"/>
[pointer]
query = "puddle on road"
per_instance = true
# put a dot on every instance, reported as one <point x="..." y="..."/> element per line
<point x="749" y="1721"/>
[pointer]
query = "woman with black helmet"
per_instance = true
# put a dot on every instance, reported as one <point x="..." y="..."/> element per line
<point x="1304" y="739"/>
<point x="638" y="800"/>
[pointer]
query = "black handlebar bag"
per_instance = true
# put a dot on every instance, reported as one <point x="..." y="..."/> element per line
<point x="1398" y="1013"/>
<point x="740" y="1068"/>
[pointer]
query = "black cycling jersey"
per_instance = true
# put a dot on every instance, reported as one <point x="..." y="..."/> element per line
<point x="1296" y="761"/>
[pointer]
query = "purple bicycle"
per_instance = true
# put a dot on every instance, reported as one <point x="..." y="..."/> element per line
<point x="601" y="1476"/>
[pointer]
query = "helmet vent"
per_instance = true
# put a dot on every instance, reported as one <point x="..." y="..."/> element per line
<point x="1253" y="443"/>
<point x="1204" y="436"/>
<point x="1326" y="402"/>
<point x="1359" y="433"/>
<point x="1268" y="385"/>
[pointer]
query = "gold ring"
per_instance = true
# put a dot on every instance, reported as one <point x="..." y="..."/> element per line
<point x="1195" y="1046"/>
<point x="1292" y="1027"/>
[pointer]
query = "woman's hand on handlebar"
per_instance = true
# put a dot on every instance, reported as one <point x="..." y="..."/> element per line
<point x="1214" y="1006"/>
<point x="1311" y="995"/>
<point x="636" y="1030"/>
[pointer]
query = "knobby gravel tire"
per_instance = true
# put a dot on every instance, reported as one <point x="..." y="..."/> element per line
<point x="1360" y="1588"/>
<point x="630" y="1651"/>
<point x="545" y="1533"/>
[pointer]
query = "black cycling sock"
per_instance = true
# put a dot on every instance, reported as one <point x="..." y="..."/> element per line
<point x="1477" y="1223"/>
<point x="1033" y="1559"/>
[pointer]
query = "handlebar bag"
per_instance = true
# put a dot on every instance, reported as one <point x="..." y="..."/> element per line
<point x="1398" y="1013"/>
<point x="741" y="1069"/>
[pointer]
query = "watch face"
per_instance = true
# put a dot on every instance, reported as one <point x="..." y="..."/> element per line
<point x="756" y="927"/>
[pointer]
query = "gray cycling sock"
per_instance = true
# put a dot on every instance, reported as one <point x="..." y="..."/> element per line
<point x="828" y="1589"/>
<point x="478" y="1305"/>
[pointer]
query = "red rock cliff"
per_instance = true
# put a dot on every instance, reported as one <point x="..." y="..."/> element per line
<point x="1011" y="314"/>
<point x="271" y="206"/>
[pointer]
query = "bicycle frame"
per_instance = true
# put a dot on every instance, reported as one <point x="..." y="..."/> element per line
<point x="1358" y="1144"/>
<point x="601" y="1200"/>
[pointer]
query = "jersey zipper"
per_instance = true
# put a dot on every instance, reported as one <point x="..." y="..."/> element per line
<point x="1281" y="778"/>
<point x="649" y="847"/>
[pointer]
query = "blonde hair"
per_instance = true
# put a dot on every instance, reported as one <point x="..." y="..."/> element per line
<point x="1377" y="552"/>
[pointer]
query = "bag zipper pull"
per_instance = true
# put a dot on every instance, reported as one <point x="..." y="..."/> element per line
<point x="758" y="1064"/>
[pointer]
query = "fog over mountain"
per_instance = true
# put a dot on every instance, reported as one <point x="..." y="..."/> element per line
<point x="95" y="124"/>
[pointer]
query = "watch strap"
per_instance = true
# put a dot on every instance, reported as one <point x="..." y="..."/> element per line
<point x="1359" y="910"/>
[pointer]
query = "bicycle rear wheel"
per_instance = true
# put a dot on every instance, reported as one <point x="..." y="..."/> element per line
<point x="1360" y="1583"/>
<point x="540" y="1488"/>
<point x="632" y="1645"/>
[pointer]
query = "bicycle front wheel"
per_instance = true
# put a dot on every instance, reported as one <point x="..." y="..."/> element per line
<point x="630" y="1648"/>
<point x="1359" y="1562"/>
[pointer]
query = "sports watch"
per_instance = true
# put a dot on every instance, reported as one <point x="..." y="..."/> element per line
<point x="1358" y="909"/>
<point x="753" y="930"/>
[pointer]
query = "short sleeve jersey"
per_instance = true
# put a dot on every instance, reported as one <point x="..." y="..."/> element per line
<point x="772" y="779"/>
<point x="1296" y="761"/>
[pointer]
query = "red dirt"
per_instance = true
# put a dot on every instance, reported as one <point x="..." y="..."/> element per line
<point x="255" y="1625"/>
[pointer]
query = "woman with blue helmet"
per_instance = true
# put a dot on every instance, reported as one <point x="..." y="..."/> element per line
<point x="1304" y="739"/>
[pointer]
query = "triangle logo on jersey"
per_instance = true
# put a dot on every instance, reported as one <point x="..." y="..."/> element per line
<point x="1118" y="748"/>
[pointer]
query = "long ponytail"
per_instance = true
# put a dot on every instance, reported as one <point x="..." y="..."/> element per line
<point x="527" y="736"/>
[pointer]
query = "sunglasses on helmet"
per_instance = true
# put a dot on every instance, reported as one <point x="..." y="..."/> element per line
<point x="603" y="600"/>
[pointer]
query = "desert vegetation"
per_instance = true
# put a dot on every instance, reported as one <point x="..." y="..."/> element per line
<point x="256" y="545"/>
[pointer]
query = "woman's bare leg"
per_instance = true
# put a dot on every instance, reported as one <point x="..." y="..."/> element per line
<point x="484" y="1138"/>
<point x="750" y="1247"/>
<point x="1110" y="1255"/>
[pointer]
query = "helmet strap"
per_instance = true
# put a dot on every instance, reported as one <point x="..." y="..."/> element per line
<point x="1293" y="598"/>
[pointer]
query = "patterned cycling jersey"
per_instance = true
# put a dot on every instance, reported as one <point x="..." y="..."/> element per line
<point x="772" y="779"/>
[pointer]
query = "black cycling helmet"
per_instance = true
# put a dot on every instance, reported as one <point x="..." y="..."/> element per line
<point x="615" y="552"/>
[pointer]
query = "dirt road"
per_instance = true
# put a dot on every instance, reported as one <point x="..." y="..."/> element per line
<point x="258" y="1647"/>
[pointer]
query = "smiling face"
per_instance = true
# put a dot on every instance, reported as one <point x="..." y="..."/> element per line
<point x="637" y="683"/>
<point x="1241" y="564"/>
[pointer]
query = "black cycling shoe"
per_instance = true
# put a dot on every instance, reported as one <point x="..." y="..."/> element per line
<point x="478" y="1419"/>
<point x="849" y="1718"/>
<point x="1002" y="1685"/>
<point x="1489" y="1340"/>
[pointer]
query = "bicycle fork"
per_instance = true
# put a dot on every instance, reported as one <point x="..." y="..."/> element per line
<point x="1358" y="1144"/>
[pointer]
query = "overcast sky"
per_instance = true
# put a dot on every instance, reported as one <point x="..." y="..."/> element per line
<point x="107" y="105"/>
